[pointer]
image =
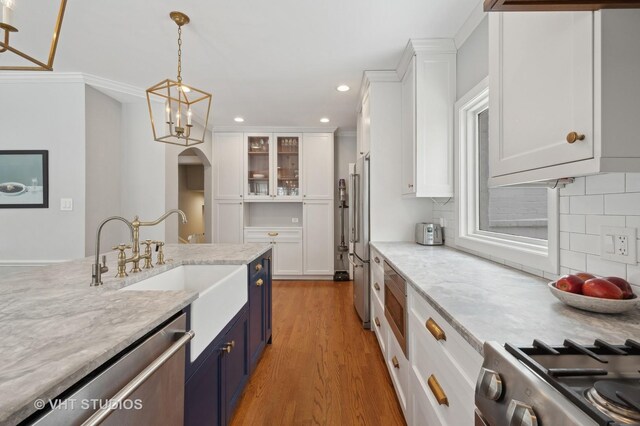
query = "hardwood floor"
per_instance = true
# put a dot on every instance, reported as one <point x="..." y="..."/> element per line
<point x="322" y="368"/>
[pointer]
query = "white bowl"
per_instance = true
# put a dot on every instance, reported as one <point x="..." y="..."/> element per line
<point x="594" y="304"/>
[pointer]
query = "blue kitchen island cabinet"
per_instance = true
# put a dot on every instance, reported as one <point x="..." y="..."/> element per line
<point x="214" y="388"/>
<point x="216" y="379"/>
<point x="259" y="307"/>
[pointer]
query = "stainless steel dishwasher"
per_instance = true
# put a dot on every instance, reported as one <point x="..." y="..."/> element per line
<point x="144" y="386"/>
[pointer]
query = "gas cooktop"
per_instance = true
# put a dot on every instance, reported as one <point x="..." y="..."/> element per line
<point x="571" y="383"/>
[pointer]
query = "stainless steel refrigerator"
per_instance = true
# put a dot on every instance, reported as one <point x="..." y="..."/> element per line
<point x="359" y="236"/>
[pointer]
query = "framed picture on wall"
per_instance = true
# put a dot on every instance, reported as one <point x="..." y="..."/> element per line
<point x="24" y="179"/>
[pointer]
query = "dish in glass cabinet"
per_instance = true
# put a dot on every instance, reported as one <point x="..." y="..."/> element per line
<point x="12" y="188"/>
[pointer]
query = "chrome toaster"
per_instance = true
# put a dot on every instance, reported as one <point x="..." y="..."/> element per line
<point x="429" y="234"/>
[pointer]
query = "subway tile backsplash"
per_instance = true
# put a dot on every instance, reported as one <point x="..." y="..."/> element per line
<point x="611" y="199"/>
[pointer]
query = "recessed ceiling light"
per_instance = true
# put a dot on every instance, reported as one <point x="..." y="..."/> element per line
<point x="324" y="120"/>
<point x="238" y="120"/>
<point x="343" y="88"/>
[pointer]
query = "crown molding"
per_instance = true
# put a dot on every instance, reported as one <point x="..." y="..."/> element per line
<point x="472" y="22"/>
<point x="125" y="93"/>
<point x="346" y="133"/>
<point x="374" y="76"/>
<point x="418" y="46"/>
<point x="273" y="129"/>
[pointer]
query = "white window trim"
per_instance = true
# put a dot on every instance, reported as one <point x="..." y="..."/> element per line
<point x="528" y="252"/>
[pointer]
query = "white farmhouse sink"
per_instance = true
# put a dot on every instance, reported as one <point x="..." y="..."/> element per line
<point x="222" y="292"/>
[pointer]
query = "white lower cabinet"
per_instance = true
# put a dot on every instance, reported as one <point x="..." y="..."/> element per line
<point x="228" y="221"/>
<point x="444" y="368"/>
<point x="286" y="245"/>
<point x="435" y="385"/>
<point x="317" y="218"/>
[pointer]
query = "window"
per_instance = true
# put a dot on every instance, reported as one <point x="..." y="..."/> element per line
<point x="517" y="223"/>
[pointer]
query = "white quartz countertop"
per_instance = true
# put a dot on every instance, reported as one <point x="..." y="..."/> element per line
<point x="484" y="300"/>
<point x="56" y="329"/>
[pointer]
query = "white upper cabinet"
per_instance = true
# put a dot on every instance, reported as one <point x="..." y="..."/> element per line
<point x="563" y="94"/>
<point x="258" y="165"/>
<point x="317" y="166"/>
<point x="428" y="71"/>
<point x="227" y="160"/>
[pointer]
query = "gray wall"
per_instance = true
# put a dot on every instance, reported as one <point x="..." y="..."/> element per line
<point x="344" y="153"/>
<point x="473" y="59"/>
<point x="103" y="128"/>
<point x="47" y="116"/>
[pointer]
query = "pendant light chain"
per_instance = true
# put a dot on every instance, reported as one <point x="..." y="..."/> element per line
<point x="179" y="54"/>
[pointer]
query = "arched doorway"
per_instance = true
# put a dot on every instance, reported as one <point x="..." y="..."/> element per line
<point x="193" y="196"/>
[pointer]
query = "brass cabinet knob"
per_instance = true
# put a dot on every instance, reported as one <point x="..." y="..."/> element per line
<point x="574" y="136"/>
<point x="228" y="347"/>
<point x="435" y="330"/>
<point x="259" y="267"/>
<point x="395" y="362"/>
<point x="437" y="391"/>
<point x="377" y="259"/>
<point x="259" y="282"/>
<point x="273" y="234"/>
<point x="376" y="286"/>
<point x="377" y="321"/>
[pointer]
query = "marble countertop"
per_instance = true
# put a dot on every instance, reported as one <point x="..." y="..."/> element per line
<point x="484" y="300"/>
<point x="56" y="328"/>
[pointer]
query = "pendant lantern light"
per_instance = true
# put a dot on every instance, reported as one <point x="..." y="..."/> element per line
<point x="182" y="103"/>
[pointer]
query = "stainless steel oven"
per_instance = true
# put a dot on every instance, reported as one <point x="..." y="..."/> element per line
<point x="395" y="304"/>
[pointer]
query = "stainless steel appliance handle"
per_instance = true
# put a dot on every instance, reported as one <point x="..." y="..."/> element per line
<point x="356" y="210"/>
<point x="352" y="215"/>
<point x="106" y="409"/>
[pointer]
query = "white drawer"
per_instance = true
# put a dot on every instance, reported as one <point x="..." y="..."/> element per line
<point x="379" y="325"/>
<point x="272" y="234"/>
<point x="422" y="412"/>
<point x="455" y="350"/>
<point x="377" y="262"/>
<point x="377" y="286"/>
<point x="428" y="360"/>
<point x="399" y="369"/>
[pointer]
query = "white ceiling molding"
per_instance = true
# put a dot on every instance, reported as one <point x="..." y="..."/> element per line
<point x="472" y="22"/>
<point x="273" y="129"/>
<point x="372" y="76"/>
<point x="26" y="77"/>
<point x="433" y="45"/>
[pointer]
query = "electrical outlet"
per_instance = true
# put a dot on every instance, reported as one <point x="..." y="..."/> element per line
<point x="618" y="244"/>
<point x="294" y="220"/>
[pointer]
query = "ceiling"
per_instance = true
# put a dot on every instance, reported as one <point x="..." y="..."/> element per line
<point x="275" y="63"/>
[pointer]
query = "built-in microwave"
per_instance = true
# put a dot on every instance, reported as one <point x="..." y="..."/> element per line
<point x="395" y="304"/>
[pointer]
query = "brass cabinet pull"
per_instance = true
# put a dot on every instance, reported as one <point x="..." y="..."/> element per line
<point x="395" y="362"/>
<point x="435" y="330"/>
<point x="273" y="234"/>
<point x="259" y="282"/>
<point x="437" y="391"/>
<point x="259" y="267"/>
<point x="228" y="347"/>
<point x="377" y="321"/>
<point x="376" y="286"/>
<point x="574" y="136"/>
<point x="377" y="259"/>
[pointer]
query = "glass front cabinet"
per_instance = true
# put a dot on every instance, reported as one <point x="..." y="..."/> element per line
<point x="272" y="164"/>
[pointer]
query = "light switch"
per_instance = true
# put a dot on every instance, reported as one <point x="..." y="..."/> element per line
<point x="66" y="204"/>
<point x="607" y="244"/>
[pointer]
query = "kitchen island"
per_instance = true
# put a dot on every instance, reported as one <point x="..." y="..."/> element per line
<point x="57" y="329"/>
